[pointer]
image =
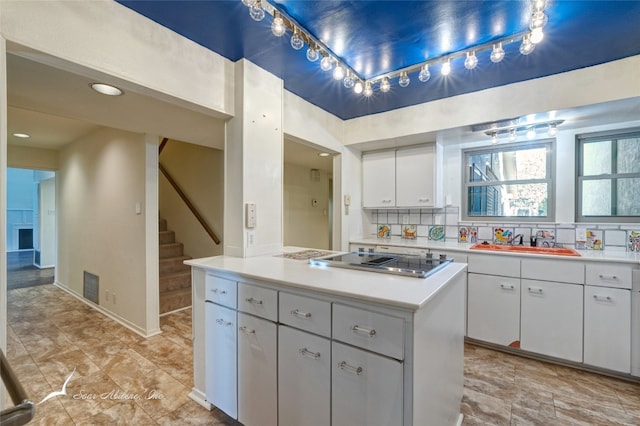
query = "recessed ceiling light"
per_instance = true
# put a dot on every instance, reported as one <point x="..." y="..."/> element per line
<point x="21" y="135"/>
<point x="324" y="154"/>
<point x="106" y="89"/>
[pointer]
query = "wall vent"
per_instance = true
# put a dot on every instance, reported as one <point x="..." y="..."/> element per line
<point x="90" y="287"/>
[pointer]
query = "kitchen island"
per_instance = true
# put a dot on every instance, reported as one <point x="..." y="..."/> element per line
<point x="280" y="342"/>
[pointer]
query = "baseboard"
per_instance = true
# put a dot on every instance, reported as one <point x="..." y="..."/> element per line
<point x="117" y="318"/>
<point x="200" y="398"/>
<point x="177" y="310"/>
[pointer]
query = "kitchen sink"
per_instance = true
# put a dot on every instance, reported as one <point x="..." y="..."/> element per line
<point x="559" y="251"/>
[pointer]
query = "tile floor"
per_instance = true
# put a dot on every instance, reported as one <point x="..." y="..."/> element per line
<point x="51" y="333"/>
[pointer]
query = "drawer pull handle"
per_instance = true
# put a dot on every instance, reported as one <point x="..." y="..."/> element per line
<point x="218" y="291"/>
<point x="246" y="330"/>
<point x="603" y="298"/>
<point x="351" y="369"/>
<point x="253" y="301"/>
<point x="223" y="322"/>
<point x="306" y="352"/>
<point x="507" y="287"/>
<point x="608" y="277"/>
<point x="297" y="313"/>
<point x="357" y="329"/>
<point x="535" y="290"/>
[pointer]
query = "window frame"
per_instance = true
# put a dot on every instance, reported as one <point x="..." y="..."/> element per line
<point x="610" y="135"/>
<point x="549" y="144"/>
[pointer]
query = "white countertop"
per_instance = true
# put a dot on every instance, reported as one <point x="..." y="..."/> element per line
<point x="392" y="290"/>
<point x="424" y="243"/>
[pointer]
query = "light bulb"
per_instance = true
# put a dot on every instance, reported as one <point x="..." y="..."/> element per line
<point x="349" y="81"/>
<point x="494" y="137"/>
<point x="256" y="12"/>
<point x="404" y="79"/>
<point x="512" y="135"/>
<point x="368" y="91"/>
<point x="538" y="20"/>
<point x="446" y="68"/>
<point x="358" y="87"/>
<point x="326" y="63"/>
<point x="526" y="47"/>
<point x="313" y="54"/>
<point x="537" y="35"/>
<point x="424" y="75"/>
<point x="472" y="61"/>
<point x="385" y="86"/>
<point x="553" y="130"/>
<point x="338" y="73"/>
<point x="277" y="26"/>
<point x="497" y="54"/>
<point x="296" y="41"/>
<point x="531" y="132"/>
<point x="249" y="3"/>
<point x="538" y="5"/>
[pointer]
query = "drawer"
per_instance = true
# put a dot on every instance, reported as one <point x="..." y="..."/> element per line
<point x="494" y="265"/>
<point x="220" y="290"/>
<point x="306" y="314"/>
<point x="369" y="330"/>
<point x="606" y="275"/>
<point x="564" y="271"/>
<point x="259" y="301"/>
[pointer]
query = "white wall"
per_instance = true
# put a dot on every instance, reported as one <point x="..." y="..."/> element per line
<point x="100" y="180"/>
<point x="305" y="224"/>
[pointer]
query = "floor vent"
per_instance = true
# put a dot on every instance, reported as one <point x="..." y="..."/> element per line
<point x="90" y="287"/>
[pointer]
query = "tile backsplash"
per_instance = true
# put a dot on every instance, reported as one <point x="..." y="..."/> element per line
<point x="433" y="223"/>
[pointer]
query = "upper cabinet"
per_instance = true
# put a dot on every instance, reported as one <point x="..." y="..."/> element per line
<point x="407" y="177"/>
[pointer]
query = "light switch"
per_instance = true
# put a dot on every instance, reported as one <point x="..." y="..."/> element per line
<point x="138" y="208"/>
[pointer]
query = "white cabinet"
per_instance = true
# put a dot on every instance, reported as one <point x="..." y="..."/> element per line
<point x="304" y="378"/>
<point x="366" y="388"/>
<point x="257" y="371"/>
<point x="551" y="320"/>
<point x="379" y="179"/>
<point x="416" y="177"/>
<point x="407" y="177"/>
<point x="220" y="358"/>
<point x="607" y="328"/>
<point x="493" y="310"/>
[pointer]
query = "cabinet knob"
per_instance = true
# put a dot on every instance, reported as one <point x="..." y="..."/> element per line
<point x="608" y="277"/>
<point x="602" y="298"/>
<point x="218" y="291"/>
<point x="351" y="369"/>
<point x="246" y="330"/>
<point x="365" y="331"/>
<point x="535" y="290"/>
<point x="507" y="286"/>
<point x="253" y="301"/>
<point x="300" y="314"/>
<point x="221" y="321"/>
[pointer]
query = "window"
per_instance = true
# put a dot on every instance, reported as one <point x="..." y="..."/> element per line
<point x="509" y="181"/>
<point x="608" y="177"/>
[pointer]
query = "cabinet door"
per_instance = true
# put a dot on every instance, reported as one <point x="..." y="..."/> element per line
<point x="415" y="177"/>
<point x="257" y="371"/>
<point x="607" y="328"/>
<point x="379" y="179"/>
<point x="304" y="378"/>
<point x="366" y="389"/>
<point x="220" y="358"/>
<point x="551" y="321"/>
<point x="493" y="309"/>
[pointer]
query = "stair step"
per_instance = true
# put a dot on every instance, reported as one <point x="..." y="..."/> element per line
<point x="167" y="237"/>
<point x="175" y="299"/>
<point x="171" y="250"/>
<point x="162" y="225"/>
<point x="171" y="265"/>
<point x="175" y="281"/>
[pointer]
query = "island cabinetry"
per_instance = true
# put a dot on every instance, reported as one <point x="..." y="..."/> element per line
<point x="367" y="388"/>
<point x="257" y="355"/>
<point x="607" y="317"/>
<point x="493" y="310"/>
<point x="304" y="378"/>
<point x="379" y="179"/>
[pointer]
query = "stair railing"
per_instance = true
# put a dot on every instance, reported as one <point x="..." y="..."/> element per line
<point x="184" y="197"/>
<point x="24" y="409"/>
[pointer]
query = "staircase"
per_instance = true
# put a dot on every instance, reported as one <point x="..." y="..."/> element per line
<point x="175" y="276"/>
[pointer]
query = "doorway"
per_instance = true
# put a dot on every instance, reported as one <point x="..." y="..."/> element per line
<point x="31" y="226"/>
<point x="308" y="196"/>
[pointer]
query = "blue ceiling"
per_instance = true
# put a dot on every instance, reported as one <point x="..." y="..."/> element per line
<point x="376" y="37"/>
